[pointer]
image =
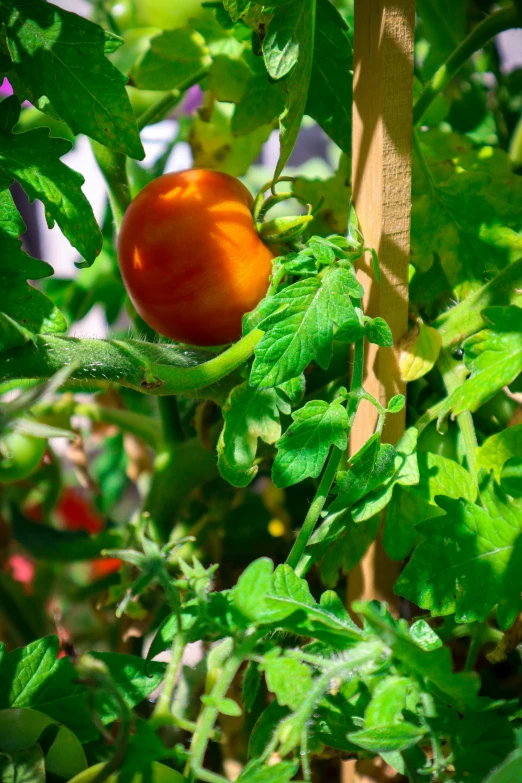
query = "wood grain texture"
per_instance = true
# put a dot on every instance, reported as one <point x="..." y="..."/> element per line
<point x="381" y="180"/>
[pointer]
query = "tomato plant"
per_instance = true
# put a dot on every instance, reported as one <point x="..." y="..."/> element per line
<point x="261" y="441"/>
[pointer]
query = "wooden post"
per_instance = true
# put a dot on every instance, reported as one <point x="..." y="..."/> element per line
<point x="381" y="184"/>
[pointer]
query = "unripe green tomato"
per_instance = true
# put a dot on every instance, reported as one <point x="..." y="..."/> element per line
<point x="21" y="728"/>
<point x="500" y="408"/>
<point x="20" y="455"/>
<point x="166" y="14"/>
<point x="160" y="774"/>
<point x="443" y="445"/>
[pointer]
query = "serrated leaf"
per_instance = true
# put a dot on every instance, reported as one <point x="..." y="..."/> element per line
<point x="257" y="772"/>
<point x="300" y="15"/>
<point x="174" y="58"/>
<point x="466" y="215"/>
<point x="289" y="680"/>
<point x="281" y="47"/>
<point x="413" y="504"/>
<point x="298" y="323"/>
<point x="406" y="473"/>
<point x="252" y="587"/>
<point x="418" y="351"/>
<point x="49" y="48"/>
<point x="470" y="560"/>
<point x="303" y="449"/>
<point x="371" y="466"/>
<point x="377" y="331"/>
<point x="384" y="739"/>
<point x="249" y="414"/>
<point x="496" y="450"/>
<point x="32" y="676"/>
<point x="329" y="95"/>
<point x="24" y="311"/>
<point x="494" y="358"/>
<point x="340" y="543"/>
<point x="32" y="158"/>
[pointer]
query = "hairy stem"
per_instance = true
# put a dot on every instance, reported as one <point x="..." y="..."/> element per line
<point x="162" y="710"/>
<point x="151" y="368"/>
<point x="454" y="374"/>
<point x="491" y="26"/>
<point x="328" y="477"/>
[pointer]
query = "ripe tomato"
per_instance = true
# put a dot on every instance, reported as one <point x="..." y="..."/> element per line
<point x="21" y="728"/>
<point x="160" y="774"/>
<point x="20" y="455"/>
<point x="191" y="258"/>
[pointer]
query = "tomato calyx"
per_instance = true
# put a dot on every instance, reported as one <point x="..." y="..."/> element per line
<point x="279" y="230"/>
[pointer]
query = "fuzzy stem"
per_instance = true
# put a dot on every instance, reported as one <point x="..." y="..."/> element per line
<point x="162" y="710"/>
<point x="491" y="26"/>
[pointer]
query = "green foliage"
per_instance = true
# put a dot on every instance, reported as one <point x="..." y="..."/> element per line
<point x="206" y="502"/>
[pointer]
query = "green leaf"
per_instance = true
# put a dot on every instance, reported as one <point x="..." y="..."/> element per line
<point x="32" y="158"/>
<point x="470" y="560"/>
<point x="61" y="546"/>
<point x="252" y="587"/>
<point x="384" y="739"/>
<point x="424" y="635"/>
<point x="257" y="772"/>
<point x="329" y="99"/>
<point x="371" y="466"/>
<point x="32" y="676"/>
<point x="174" y="58"/>
<point x="494" y="358"/>
<point x="413" y="504"/>
<point x="300" y="16"/>
<point x="496" y="450"/>
<point x="289" y="680"/>
<point x="397" y="403"/>
<point x="419" y="350"/>
<point x="510" y="771"/>
<point x="303" y="449"/>
<point x="249" y="414"/>
<point x="511" y="479"/>
<point x="388" y="702"/>
<point x="482" y="741"/>
<point x="332" y="215"/>
<point x="281" y="47"/>
<point x="406" y="473"/>
<point x="377" y="331"/>
<point x="49" y="48"/>
<point x="340" y="543"/>
<point x="464" y="213"/>
<point x="23" y="766"/>
<point x="432" y="667"/>
<point x="298" y="323"/>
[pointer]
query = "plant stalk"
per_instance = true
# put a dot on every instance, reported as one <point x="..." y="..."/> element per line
<point x="162" y="710"/>
<point x="492" y="25"/>
<point x="454" y="374"/>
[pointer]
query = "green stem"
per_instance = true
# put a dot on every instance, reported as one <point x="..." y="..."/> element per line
<point x="161" y="108"/>
<point x="170" y="419"/>
<point x="113" y="166"/>
<point x="454" y="374"/>
<point x="151" y="368"/>
<point x="209" y="714"/>
<point x="475" y="645"/>
<point x="325" y="485"/>
<point x="317" y="505"/>
<point x="163" y="709"/>
<point x="491" y="26"/>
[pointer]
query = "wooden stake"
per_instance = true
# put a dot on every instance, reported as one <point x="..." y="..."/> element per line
<point x="381" y="181"/>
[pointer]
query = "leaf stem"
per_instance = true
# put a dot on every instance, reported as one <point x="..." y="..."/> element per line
<point x="454" y="373"/>
<point x="163" y="708"/>
<point x="160" y="109"/>
<point x="170" y="419"/>
<point x="492" y="25"/>
<point x="328" y="477"/>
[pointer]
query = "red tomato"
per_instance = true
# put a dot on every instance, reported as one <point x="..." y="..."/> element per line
<point x="191" y="258"/>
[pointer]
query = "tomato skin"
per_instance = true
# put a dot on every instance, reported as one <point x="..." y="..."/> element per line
<point x="190" y="256"/>
<point x="20" y="456"/>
